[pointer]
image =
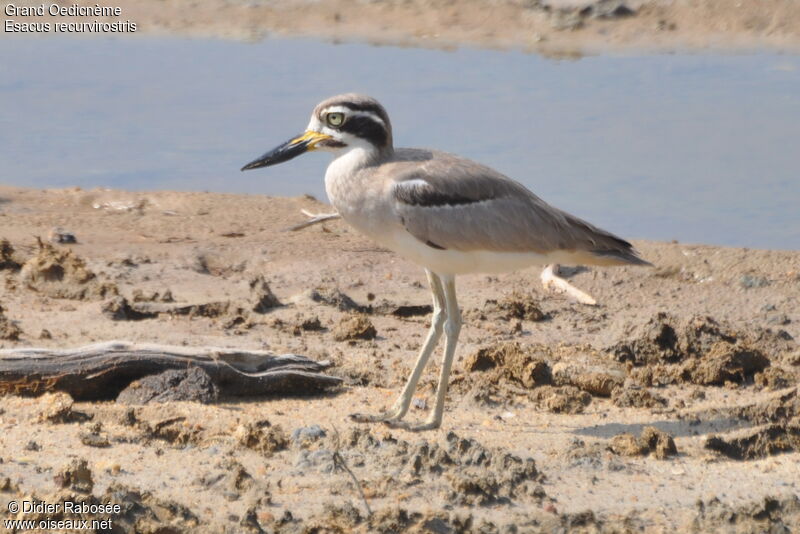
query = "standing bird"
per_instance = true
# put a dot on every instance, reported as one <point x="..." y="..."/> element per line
<point x="447" y="213"/>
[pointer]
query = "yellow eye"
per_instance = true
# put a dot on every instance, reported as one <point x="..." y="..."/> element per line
<point x="334" y="119"/>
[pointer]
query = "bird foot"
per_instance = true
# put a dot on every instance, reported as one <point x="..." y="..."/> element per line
<point x="413" y="427"/>
<point x="553" y="282"/>
<point x="314" y="218"/>
<point x="386" y="417"/>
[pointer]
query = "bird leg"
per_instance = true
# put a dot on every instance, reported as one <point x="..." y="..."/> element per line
<point x="551" y="280"/>
<point x="315" y="218"/>
<point x="452" y="327"/>
<point x="401" y="405"/>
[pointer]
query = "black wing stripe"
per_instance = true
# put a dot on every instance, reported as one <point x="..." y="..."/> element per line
<point x="428" y="197"/>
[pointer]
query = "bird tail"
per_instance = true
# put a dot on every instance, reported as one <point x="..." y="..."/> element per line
<point x="622" y="256"/>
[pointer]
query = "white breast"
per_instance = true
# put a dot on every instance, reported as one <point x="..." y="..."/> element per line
<point x="358" y="198"/>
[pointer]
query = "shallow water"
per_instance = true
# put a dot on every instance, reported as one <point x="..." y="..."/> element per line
<point x="699" y="148"/>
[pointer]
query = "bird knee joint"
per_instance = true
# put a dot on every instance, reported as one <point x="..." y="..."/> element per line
<point x="452" y="326"/>
<point x="439" y="318"/>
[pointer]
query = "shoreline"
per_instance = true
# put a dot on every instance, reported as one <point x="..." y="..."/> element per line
<point x="557" y="28"/>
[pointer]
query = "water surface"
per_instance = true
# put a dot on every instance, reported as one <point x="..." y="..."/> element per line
<point x="699" y="148"/>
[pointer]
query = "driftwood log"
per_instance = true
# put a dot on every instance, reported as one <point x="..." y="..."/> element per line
<point x="102" y="370"/>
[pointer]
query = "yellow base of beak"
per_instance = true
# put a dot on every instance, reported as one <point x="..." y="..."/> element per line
<point x="311" y="137"/>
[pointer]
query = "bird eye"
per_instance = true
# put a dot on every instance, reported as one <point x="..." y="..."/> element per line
<point x="334" y="119"/>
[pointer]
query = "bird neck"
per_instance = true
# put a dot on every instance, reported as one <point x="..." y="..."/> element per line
<point x="356" y="157"/>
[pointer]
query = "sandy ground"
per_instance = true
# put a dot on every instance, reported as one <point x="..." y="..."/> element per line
<point x="671" y="405"/>
<point x="553" y="27"/>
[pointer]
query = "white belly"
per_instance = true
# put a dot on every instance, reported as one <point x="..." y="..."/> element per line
<point x="456" y="261"/>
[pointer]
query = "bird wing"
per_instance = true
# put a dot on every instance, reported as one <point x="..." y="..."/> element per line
<point x="449" y="202"/>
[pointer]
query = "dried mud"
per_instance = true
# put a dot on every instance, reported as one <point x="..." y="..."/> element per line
<point x="698" y="351"/>
<point x="8" y="330"/>
<point x="7" y="257"/>
<point x="671" y="406"/>
<point x="652" y="441"/>
<point x="59" y="273"/>
<point x="353" y="328"/>
<point x="765" y="441"/>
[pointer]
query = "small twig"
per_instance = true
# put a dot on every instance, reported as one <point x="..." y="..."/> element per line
<point x="551" y="280"/>
<point x="339" y="463"/>
<point x="315" y="218"/>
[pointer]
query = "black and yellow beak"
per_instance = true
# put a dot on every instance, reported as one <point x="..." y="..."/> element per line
<point x="288" y="150"/>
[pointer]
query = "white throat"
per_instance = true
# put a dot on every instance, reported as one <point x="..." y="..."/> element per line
<point x="350" y="160"/>
<point x="344" y="168"/>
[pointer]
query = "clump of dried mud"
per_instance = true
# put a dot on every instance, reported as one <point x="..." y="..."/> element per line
<point x="57" y="408"/>
<point x="139" y="295"/>
<point x="600" y="380"/>
<point x="60" y="273"/>
<point x="636" y="397"/>
<point x="776" y="429"/>
<point x="525" y="366"/>
<point x="75" y="475"/>
<point x="8" y="259"/>
<point x="262" y="299"/>
<point x="699" y="351"/>
<point x="774" y="378"/>
<point x="8" y="330"/>
<point x="564" y="399"/>
<point x="652" y="441"/>
<point x="119" y="309"/>
<point x="354" y="327"/>
<point x="176" y="431"/>
<point x="334" y="297"/>
<point x="758" y="443"/>
<point x="780" y="408"/>
<point x="262" y="436"/>
<point x="769" y="514"/>
<point x="516" y="306"/>
<point x="561" y="380"/>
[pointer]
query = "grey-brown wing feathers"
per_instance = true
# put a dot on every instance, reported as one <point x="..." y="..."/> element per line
<point x="452" y="203"/>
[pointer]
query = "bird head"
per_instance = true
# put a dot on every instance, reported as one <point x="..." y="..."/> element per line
<point x="339" y="124"/>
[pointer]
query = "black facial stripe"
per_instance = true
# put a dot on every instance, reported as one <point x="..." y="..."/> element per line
<point x="365" y="127"/>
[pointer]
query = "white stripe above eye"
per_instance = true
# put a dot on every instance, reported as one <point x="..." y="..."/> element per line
<point x="354" y="113"/>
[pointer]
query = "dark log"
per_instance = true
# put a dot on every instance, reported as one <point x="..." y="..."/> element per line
<point x="102" y="370"/>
